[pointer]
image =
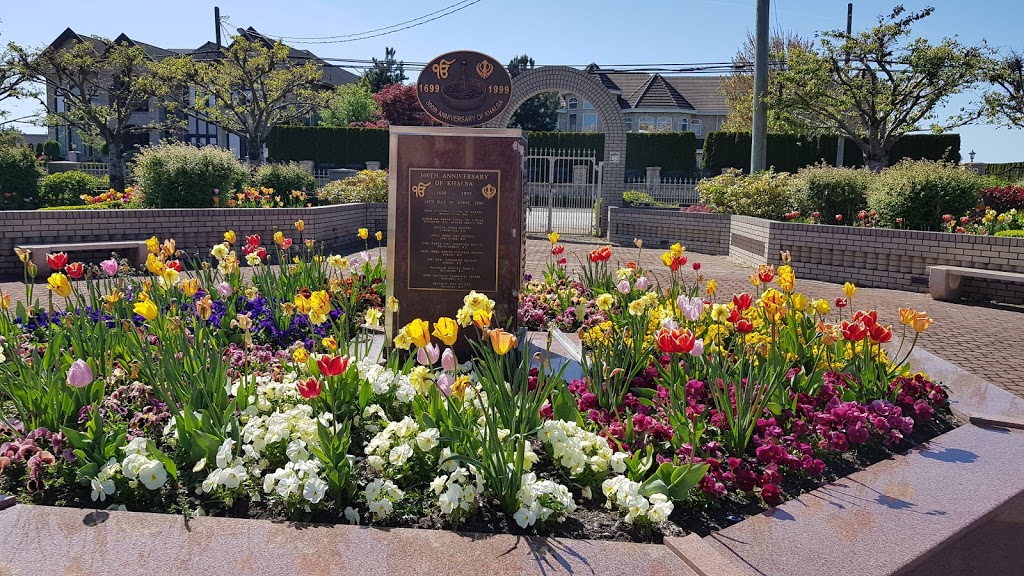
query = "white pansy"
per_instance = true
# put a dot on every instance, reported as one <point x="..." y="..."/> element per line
<point x="314" y="490"/>
<point x="137" y="446"/>
<point x="101" y="489"/>
<point x="428" y="439"/>
<point x="400" y="454"/>
<point x="296" y="451"/>
<point x="152" y="474"/>
<point x="352" y="515"/>
<point x="131" y="465"/>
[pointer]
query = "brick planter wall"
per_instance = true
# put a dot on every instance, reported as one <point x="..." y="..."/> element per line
<point x="875" y="257"/>
<point x="192" y="229"/>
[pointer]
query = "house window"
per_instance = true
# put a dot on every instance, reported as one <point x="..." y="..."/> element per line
<point x="572" y="123"/>
<point x="589" y="122"/>
<point x="647" y="124"/>
<point x="144" y="106"/>
<point x="664" y="124"/>
<point x="695" y="126"/>
<point x="629" y="123"/>
<point x="573" y="102"/>
<point x="587" y="105"/>
<point x="683" y="125"/>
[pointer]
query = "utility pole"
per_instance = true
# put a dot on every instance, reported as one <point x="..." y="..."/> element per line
<point x="841" y="140"/>
<point x="216" y="24"/>
<point x="759" y="131"/>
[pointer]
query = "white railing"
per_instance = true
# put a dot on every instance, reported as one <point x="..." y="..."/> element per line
<point x="98" y="169"/>
<point x="671" y="191"/>
<point x="321" y="175"/>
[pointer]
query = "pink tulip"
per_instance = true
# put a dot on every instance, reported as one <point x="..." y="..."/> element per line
<point x="623" y="287"/>
<point x="698" y="347"/>
<point x="642" y="283"/>
<point x="79" y="374"/>
<point x="448" y="360"/>
<point x="444" y="382"/>
<point x="224" y="289"/>
<point x="428" y="354"/>
<point x="670" y="324"/>
<point x="109" y="267"/>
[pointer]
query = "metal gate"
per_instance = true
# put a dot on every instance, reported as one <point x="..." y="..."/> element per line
<point x="563" y="188"/>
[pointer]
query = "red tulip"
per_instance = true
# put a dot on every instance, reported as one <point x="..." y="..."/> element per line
<point x="602" y="254"/>
<point x="842" y="302"/>
<point x="57" y="261"/>
<point x="174" y="265"/>
<point x="853" y="331"/>
<point x="673" y="341"/>
<point x="286" y="243"/>
<point x="332" y="365"/>
<point x="880" y="333"/>
<point x="696" y="266"/>
<point x="839" y="217"/>
<point x="742" y="301"/>
<point x="253" y="240"/>
<point x="744" y="326"/>
<point x="309" y="388"/>
<point x="869" y="319"/>
<point x="734" y="316"/>
<point x="75" y="270"/>
<point x="562" y="261"/>
<point x="557" y="250"/>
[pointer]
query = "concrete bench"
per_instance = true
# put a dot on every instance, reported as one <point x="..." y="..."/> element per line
<point x="134" y="250"/>
<point x="944" y="281"/>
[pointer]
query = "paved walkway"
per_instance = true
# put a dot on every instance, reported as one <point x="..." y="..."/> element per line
<point x="985" y="340"/>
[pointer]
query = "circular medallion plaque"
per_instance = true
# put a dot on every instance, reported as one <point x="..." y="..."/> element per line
<point x="464" y="88"/>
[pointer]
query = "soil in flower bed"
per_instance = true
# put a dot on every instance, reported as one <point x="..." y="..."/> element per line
<point x="590" y="521"/>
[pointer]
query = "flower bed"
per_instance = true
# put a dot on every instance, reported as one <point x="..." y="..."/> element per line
<point x="199" y="390"/>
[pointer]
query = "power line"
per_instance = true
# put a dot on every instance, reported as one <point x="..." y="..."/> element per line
<point x="369" y="31"/>
<point x="367" y="35"/>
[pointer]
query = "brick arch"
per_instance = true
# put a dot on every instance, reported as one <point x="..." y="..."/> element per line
<point x="564" y="79"/>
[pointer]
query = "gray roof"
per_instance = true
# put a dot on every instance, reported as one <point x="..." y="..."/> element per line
<point x="637" y="90"/>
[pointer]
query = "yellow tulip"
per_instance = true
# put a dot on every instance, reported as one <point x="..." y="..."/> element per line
<point x="204" y="307"/>
<point x="168" y="248"/>
<point x="300" y="225"/>
<point x="907" y="316"/>
<point x="719" y="313"/>
<point x="419" y="332"/>
<point x="446" y="330"/>
<point x="364" y="233"/>
<point x="23" y="255"/>
<point x="849" y="289"/>
<point x="5" y="300"/>
<point x="677" y="249"/>
<point x="190" y="287"/>
<point x="821" y="306"/>
<point x="300" y="355"/>
<point x="146" y="309"/>
<point x="379" y="235"/>
<point x="502" y="341"/>
<point x="230" y="237"/>
<point x="922" y="322"/>
<point x="154" y="265"/>
<point x="712" y="287"/>
<point x="553" y="237"/>
<point x="153" y="245"/>
<point x="667" y="258"/>
<point x="392" y="304"/>
<point x="482" y="318"/>
<point x="278" y="237"/>
<point x="799" y="302"/>
<point x="330" y="343"/>
<point x="785" y="278"/>
<point x="320" y="301"/>
<point x="60" y="284"/>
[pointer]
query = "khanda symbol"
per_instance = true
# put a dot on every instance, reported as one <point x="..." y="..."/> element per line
<point x="420" y="189"/>
<point x="484" y="69"/>
<point x="441" y="68"/>
<point x="489" y="191"/>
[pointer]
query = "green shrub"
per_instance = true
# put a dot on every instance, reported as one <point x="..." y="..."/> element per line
<point x="365" y="186"/>
<point x="326" y="145"/>
<point x="832" y="191"/>
<point x="1010" y="233"/>
<point x="66" y="188"/>
<point x="921" y="191"/>
<point x="97" y="206"/>
<point x="764" y="195"/>
<point x="284" y="178"/>
<point x="19" y="178"/>
<point x="182" y="176"/>
<point x="637" y="198"/>
<point x="51" y="149"/>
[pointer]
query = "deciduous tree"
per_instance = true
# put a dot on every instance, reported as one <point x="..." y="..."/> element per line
<point x="250" y="88"/>
<point x="1004" y="98"/>
<point x="349" y="103"/>
<point x="892" y="85"/>
<point x="102" y="86"/>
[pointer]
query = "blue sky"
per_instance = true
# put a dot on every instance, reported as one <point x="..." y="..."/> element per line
<point x="565" y="32"/>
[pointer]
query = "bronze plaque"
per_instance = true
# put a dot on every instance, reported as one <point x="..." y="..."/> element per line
<point x="455" y="222"/>
<point x="464" y="88"/>
<point x="453" y="229"/>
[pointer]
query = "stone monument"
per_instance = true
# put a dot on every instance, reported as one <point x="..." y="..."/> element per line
<point x="455" y="197"/>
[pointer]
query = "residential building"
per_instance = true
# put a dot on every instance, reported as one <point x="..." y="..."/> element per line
<point x="198" y="131"/>
<point x="651" y="103"/>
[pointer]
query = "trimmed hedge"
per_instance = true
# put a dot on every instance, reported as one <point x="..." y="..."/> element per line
<point x="789" y="152"/>
<point x="284" y="178"/>
<point x="66" y="188"/>
<point x="179" y="175"/>
<point x="920" y="192"/>
<point x="19" y="178"/>
<point x="324" y="145"/>
<point x="353" y="147"/>
<point x="1010" y="233"/>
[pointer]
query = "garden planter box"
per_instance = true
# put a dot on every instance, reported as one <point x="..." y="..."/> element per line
<point x="955" y="506"/>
